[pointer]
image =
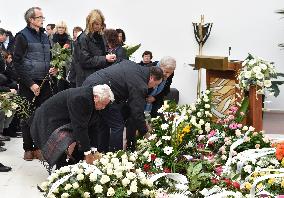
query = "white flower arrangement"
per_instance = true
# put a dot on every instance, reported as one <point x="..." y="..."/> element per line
<point x="258" y="72"/>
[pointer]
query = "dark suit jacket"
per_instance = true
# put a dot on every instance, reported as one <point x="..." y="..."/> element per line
<point x="129" y="83"/>
<point x="75" y="106"/>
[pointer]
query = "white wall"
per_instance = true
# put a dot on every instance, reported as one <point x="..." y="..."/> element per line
<point x="165" y="28"/>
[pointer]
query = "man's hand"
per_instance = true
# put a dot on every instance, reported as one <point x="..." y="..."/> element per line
<point x="111" y="58"/>
<point x="35" y="89"/>
<point x="89" y="158"/>
<point x="150" y="99"/>
<point x="53" y="71"/>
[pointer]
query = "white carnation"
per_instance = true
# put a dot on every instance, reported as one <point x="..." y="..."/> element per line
<point x="87" y="195"/>
<point x="110" y="192"/>
<point x="80" y="177"/>
<point x="104" y="179"/>
<point x="98" y="189"/>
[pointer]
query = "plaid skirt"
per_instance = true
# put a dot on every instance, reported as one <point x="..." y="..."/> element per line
<point x="57" y="144"/>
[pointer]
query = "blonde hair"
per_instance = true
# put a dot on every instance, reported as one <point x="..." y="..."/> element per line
<point x="94" y="16"/>
<point x="61" y="24"/>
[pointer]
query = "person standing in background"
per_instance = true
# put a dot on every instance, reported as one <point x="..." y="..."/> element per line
<point x="32" y="63"/>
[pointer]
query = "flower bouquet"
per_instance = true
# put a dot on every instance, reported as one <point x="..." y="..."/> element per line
<point x="259" y="72"/>
<point x="131" y="49"/>
<point x="61" y="57"/>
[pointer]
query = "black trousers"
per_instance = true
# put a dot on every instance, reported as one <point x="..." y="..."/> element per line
<point x="24" y="91"/>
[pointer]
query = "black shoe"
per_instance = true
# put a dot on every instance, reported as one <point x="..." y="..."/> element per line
<point x="2" y="143"/>
<point x="4" y="168"/>
<point x="2" y="149"/>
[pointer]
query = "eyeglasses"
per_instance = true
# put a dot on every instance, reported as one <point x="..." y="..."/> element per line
<point x="40" y="17"/>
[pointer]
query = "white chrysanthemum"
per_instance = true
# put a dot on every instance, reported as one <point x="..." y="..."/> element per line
<point x="125" y="181"/>
<point x="152" y="137"/>
<point x="110" y="192"/>
<point x="104" y="160"/>
<point x="164" y="126"/>
<point x="146" y="192"/>
<point x="199" y="114"/>
<point x="267" y="83"/>
<point x="65" y="169"/>
<point x="104" y="179"/>
<point x="248" y="168"/>
<point x="168" y="150"/>
<point x="93" y="177"/>
<point x="256" y="69"/>
<point x="133" y="187"/>
<point x="118" y="174"/>
<point x="87" y="195"/>
<point x="80" y="177"/>
<point x="98" y="189"/>
<point x="223" y="157"/>
<point x="80" y="171"/>
<point x="252" y="62"/>
<point x="263" y="66"/>
<point x="166" y="137"/>
<point x="115" y="161"/>
<point x="259" y="75"/>
<point x="192" y="107"/>
<point x="130" y="175"/>
<point x="247" y="74"/>
<point x="201" y="122"/>
<point x="207" y="106"/>
<point x="238" y="132"/>
<point x="75" y="185"/>
<point x="65" y="195"/>
<point x="207" y="91"/>
<point x="245" y="128"/>
<point x="67" y="186"/>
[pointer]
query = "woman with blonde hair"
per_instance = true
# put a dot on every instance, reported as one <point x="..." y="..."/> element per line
<point x="90" y="51"/>
<point x="62" y="37"/>
<point x="61" y="34"/>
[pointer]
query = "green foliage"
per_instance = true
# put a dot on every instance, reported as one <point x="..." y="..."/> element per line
<point x="199" y="175"/>
<point x="61" y="57"/>
<point x="131" y="49"/>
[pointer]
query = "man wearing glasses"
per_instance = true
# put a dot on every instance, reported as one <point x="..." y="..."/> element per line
<point x="32" y="63"/>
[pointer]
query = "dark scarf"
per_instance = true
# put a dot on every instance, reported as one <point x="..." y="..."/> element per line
<point x="62" y="39"/>
<point x="99" y="38"/>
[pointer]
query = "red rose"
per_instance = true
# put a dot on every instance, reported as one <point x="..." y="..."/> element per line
<point x="147" y="167"/>
<point x="153" y="157"/>
<point x="236" y="185"/>
<point x="167" y="170"/>
<point x="228" y="182"/>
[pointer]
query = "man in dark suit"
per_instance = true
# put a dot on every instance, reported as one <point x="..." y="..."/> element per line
<point x="129" y="83"/>
<point x="66" y="118"/>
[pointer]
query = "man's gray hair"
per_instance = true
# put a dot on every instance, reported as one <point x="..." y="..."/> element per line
<point x="103" y="92"/>
<point x="30" y="13"/>
<point x="168" y="62"/>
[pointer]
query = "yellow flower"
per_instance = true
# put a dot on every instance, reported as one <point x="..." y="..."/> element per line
<point x="259" y="185"/>
<point x="262" y="174"/>
<point x="248" y="185"/>
<point x="282" y="184"/>
<point x="271" y="180"/>
<point x="282" y="162"/>
<point x="186" y="129"/>
<point x="255" y="174"/>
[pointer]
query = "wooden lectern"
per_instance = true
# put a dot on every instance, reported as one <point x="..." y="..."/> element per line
<point x="221" y="79"/>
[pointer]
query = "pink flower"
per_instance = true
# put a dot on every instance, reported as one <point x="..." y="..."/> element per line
<point x="200" y="146"/>
<point x="211" y="134"/>
<point x="233" y="126"/>
<point x="218" y="170"/>
<point x="231" y="117"/>
<point x="234" y="109"/>
<point x="240" y="125"/>
<point x="242" y="113"/>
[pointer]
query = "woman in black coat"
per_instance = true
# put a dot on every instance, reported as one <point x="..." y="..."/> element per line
<point x="90" y="48"/>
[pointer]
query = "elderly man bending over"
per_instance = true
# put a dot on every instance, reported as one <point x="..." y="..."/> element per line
<point x="65" y="119"/>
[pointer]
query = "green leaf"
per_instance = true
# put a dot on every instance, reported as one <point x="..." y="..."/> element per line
<point x="131" y="50"/>
<point x="197" y="169"/>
